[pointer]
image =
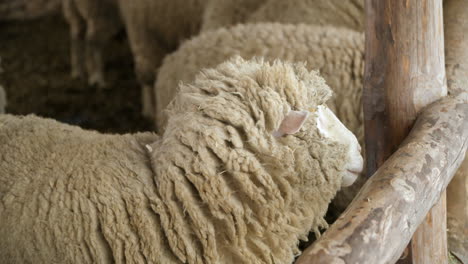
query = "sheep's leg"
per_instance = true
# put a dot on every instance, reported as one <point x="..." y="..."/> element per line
<point x="148" y="103"/>
<point x="77" y="35"/>
<point x="147" y="54"/>
<point x="103" y="22"/>
<point x="97" y="36"/>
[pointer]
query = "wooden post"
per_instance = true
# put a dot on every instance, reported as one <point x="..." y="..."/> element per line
<point x="380" y="221"/>
<point x="405" y="71"/>
<point x="456" y="54"/>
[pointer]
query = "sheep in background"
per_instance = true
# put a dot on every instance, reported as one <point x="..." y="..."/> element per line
<point x="92" y="24"/>
<point x="156" y="28"/>
<point x="3" y="100"/>
<point x="337" y="53"/>
<point x="232" y="180"/>
<point x="339" y="13"/>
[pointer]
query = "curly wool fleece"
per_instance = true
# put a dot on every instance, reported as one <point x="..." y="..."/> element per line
<point x="218" y="187"/>
<point x="338" y="53"/>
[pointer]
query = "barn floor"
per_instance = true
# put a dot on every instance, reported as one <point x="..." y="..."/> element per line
<point x="35" y="74"/>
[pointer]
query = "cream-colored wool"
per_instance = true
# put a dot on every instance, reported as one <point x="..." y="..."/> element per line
<point x="158" y="27"/>
<point x="155" y="28"/>
<point x="3" y="100"/>
<point x="339" y="13"/>
<point x="337" y="53"/>
<point x="218" y="187"/>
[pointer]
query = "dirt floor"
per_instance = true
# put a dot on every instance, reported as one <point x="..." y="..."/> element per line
<point x="35" y="73"/>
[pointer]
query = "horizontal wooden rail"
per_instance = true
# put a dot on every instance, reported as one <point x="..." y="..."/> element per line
<point x="380" y="221"/>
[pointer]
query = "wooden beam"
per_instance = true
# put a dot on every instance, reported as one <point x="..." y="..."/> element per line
<point x="380" y="221"/>
<point x="456" y="54"/>
<point x="405" y="71"/>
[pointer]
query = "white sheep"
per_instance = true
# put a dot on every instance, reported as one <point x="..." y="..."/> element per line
<point x="242" y="172"/>
<point x="339" y="13"/>
<point x="154" y="29"/>
<point x="3" y="100"/>
<point x="92" y="24"/>
<point x="337" y="53"/>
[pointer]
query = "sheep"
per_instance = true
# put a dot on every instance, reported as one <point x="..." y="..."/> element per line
<point x="339" y="13"/>
<point x="3" y="100"/>
<point x="337" y="52"/>
<point x="154" y="28"/>
<point x="242" y="172"/>
<point x="92" y="24"/>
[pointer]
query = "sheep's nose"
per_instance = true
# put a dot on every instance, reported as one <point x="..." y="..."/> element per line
<point x="354" y="167"/>
<point x="330" y="126"/>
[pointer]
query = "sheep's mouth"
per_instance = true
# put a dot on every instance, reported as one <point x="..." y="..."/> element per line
<point x="355" y="171"/>
<point x="349" y="177"/>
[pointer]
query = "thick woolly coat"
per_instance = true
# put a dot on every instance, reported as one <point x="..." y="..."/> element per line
<point x="217" y="187"/>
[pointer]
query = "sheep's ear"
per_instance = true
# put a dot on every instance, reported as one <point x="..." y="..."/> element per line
<point x="291" y="123"/>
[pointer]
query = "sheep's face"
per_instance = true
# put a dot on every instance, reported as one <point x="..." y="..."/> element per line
<point x="292" y="101"/>
<point x="326" y="127"/>
<point x="280" y="109"/>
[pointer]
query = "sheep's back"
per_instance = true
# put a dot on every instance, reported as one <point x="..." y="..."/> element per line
<point x="74" y="196"/>
<point x="340" y="13"/>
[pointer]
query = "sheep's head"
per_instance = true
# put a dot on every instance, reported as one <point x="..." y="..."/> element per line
<point x="266" y="147"/>
<point x="280" y="102"/>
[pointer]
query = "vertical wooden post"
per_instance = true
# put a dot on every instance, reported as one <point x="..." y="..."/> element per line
<point x="456" y="52"/>
<point x="405" y="71"/>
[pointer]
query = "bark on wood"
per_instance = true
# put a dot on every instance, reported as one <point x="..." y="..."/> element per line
<point x="380" y="221"/>
<point x="456" y="52"/>
<point x="429" y="243"/>
<point x="405" y="71"/>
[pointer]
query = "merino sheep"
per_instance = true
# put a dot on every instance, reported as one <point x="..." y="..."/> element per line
<point x="92" y="24"/>
<point x="222" y="185"/>
<point x="337" y="52"/>
<point x="155" y="28"/>
<point x="339" y="13"/>
<point x="3" y="100"/>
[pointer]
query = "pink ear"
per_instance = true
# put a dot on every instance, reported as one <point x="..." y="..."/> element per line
<point x="291" y="124"/>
